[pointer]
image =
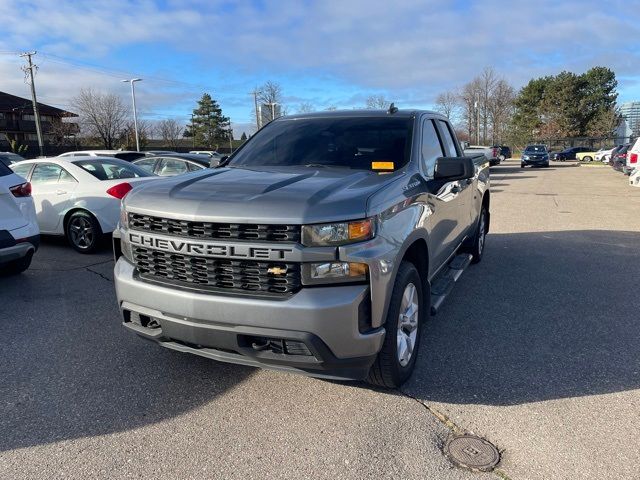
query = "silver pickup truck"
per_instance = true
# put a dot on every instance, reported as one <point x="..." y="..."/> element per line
<point x="321" y="246"/>
<point x="492" y="154"/>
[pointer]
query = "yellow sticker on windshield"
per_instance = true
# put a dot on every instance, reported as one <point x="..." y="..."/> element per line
<point x="382" y="166"/>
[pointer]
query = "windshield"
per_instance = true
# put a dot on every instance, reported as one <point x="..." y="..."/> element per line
<point x="535" y="149"/>
<point x="111" y="169"/>
<point x="351" y="142"/>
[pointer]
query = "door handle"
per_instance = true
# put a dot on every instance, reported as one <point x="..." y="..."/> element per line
<point x="60" y="192"/>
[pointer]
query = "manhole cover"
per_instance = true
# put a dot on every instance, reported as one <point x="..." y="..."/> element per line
<point x="469" y="451"/>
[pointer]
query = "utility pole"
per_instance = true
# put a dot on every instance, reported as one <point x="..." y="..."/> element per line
<point x="30" y="67"/>
<point x="255" y="94"/>
<point x="230" y="141"/>
<point x="135" y="113"/>
<point x="477" y="119"/>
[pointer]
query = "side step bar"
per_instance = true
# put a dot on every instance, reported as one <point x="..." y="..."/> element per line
<point x="444" y="282"/>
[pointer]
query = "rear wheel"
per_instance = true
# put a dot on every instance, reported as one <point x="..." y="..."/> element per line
<point x="83" y="232"/>
<point x="407" y="310"/>
<point x="587" y="158"/>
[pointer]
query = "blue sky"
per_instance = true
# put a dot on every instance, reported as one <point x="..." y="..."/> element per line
<point x="324" y="53"/>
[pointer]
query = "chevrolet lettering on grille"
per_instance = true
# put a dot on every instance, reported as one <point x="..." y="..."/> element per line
<point x="208" y="249"/>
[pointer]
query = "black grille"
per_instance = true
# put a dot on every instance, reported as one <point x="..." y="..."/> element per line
<point x="218" y="231"/>
<point x="217" y="274"/>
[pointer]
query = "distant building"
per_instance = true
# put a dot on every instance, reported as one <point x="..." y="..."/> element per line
<point x="630" y="112"/>
<point x="17" y="122"/>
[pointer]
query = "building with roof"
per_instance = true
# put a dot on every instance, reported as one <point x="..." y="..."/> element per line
<point x="17" y="122"/>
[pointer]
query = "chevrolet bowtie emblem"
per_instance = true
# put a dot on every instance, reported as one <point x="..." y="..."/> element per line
<point x="277" y="270"/>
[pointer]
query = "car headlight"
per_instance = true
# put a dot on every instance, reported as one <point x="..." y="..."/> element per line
<point x="124" y="218"/>
<point x="333" y="272"/>
<point x="334" y="234"/>
<point x="525" y="157"/>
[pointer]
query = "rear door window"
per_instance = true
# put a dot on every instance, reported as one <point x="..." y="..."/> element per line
<point x="147" y="164"/>
<point x="170" y="166"/>
<point x="50" y="173"/>
<point x="449" y="142"/>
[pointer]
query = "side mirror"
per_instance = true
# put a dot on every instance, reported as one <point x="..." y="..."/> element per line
<point x="454" y="168"/>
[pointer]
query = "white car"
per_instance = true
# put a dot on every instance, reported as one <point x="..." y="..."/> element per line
<point x="19" y="234"/>
<point x="127" y="155"/>
<point x="634" y="178"/>
<point x="80" y="197"/>
<point x="603" y="155"/>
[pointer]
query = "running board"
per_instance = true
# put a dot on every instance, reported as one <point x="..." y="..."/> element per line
<point x="444" y="282"/>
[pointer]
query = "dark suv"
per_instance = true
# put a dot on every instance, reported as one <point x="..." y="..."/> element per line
<point x="504" y="152"/>
<point x="535" y="155"/>
<point x="570" y="153"/>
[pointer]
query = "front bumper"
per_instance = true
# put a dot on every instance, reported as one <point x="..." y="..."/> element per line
<point x="535" y="161"/>
<point x="324" y="323"/>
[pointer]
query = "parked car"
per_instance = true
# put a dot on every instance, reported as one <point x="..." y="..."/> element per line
<point x="569" y="153"/>
<point x="604" y="154"/>
<point x="127" y="155"/>
<point x="19" y="233"/>
<point x="504" y="152"/>
<point x="173" y="164"/>
<point x="9" y="158"/>
<point x="79" y="197"/>
<point x="158" y="152"/>
<point x="614" y="151"/>
<point x="535" y="156"/>
<point x="587" y="156"/>
<point x="619" y="160"/>
<point x="492" y="154"/>
<point x="633" y="157"/>
<point x="211" y="153"/>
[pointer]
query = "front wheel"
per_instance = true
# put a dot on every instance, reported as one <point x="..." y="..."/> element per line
<point x="587" y="159"/>
<point x="83" y="232"/>
<point x="408" y="308"/>
<point x="479" y="238"/>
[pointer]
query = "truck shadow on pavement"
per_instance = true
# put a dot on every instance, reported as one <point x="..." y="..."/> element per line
<point x="69" y="370"/>
<point x="544" y="316"/>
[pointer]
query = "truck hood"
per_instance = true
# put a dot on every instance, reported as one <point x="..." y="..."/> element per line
<point x="291" y="195"/>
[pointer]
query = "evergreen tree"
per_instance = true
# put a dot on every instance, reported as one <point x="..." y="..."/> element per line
<point x="209" y="126"/>
<point x="243" y="137"/>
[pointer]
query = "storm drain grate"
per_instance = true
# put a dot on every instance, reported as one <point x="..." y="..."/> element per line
<point x="474" y="453"/>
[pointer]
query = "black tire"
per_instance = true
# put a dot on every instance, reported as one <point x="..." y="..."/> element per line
<point x="387" y="370"/>
<point x="18" y="266"/>
<point x="587" y="159"/>
<point x="477" y="247"/>
<point x="83" y="232"/>
<point x="522" y="165"/>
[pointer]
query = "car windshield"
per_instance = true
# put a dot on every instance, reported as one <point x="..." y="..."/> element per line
<point x="535" y="149"/>
<point x="111" y="169"/>
<point x="348" y="142"/>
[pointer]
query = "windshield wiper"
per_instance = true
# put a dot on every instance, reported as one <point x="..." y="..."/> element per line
<point x="324" y="165"/>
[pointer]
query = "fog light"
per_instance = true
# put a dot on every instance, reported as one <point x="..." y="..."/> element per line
<point x="334" y="272"/>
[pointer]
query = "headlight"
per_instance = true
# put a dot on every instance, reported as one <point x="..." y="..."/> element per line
<point x="333" y="272"/>
<point x="124" y="218"/>
<point x="525" y="157"/>
<point x="337" y="233"/>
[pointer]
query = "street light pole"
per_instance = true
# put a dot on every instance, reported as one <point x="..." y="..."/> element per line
<point x="135" y="113"/>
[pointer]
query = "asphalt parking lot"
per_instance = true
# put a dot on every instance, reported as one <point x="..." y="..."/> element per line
<point x="537" y="350"/>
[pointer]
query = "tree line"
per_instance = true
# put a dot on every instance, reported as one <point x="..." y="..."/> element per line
<point x="488" y="110"/>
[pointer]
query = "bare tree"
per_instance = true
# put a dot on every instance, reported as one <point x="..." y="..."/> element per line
<point x="488" y="81"/>
<point x="127" y="137"/>
<point x="102" y="115"/>
<point x="448" y="103"/>
<point x="500" y="110"/>
<point x="270" y="94"/>
<point x="470" y="102"/>
<point x="331" y="108"/>
<point x="375" y="102"/>
<point x="170" y="130"/>
<point x="63" y="133"/>
<point x="305" y="107"/>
